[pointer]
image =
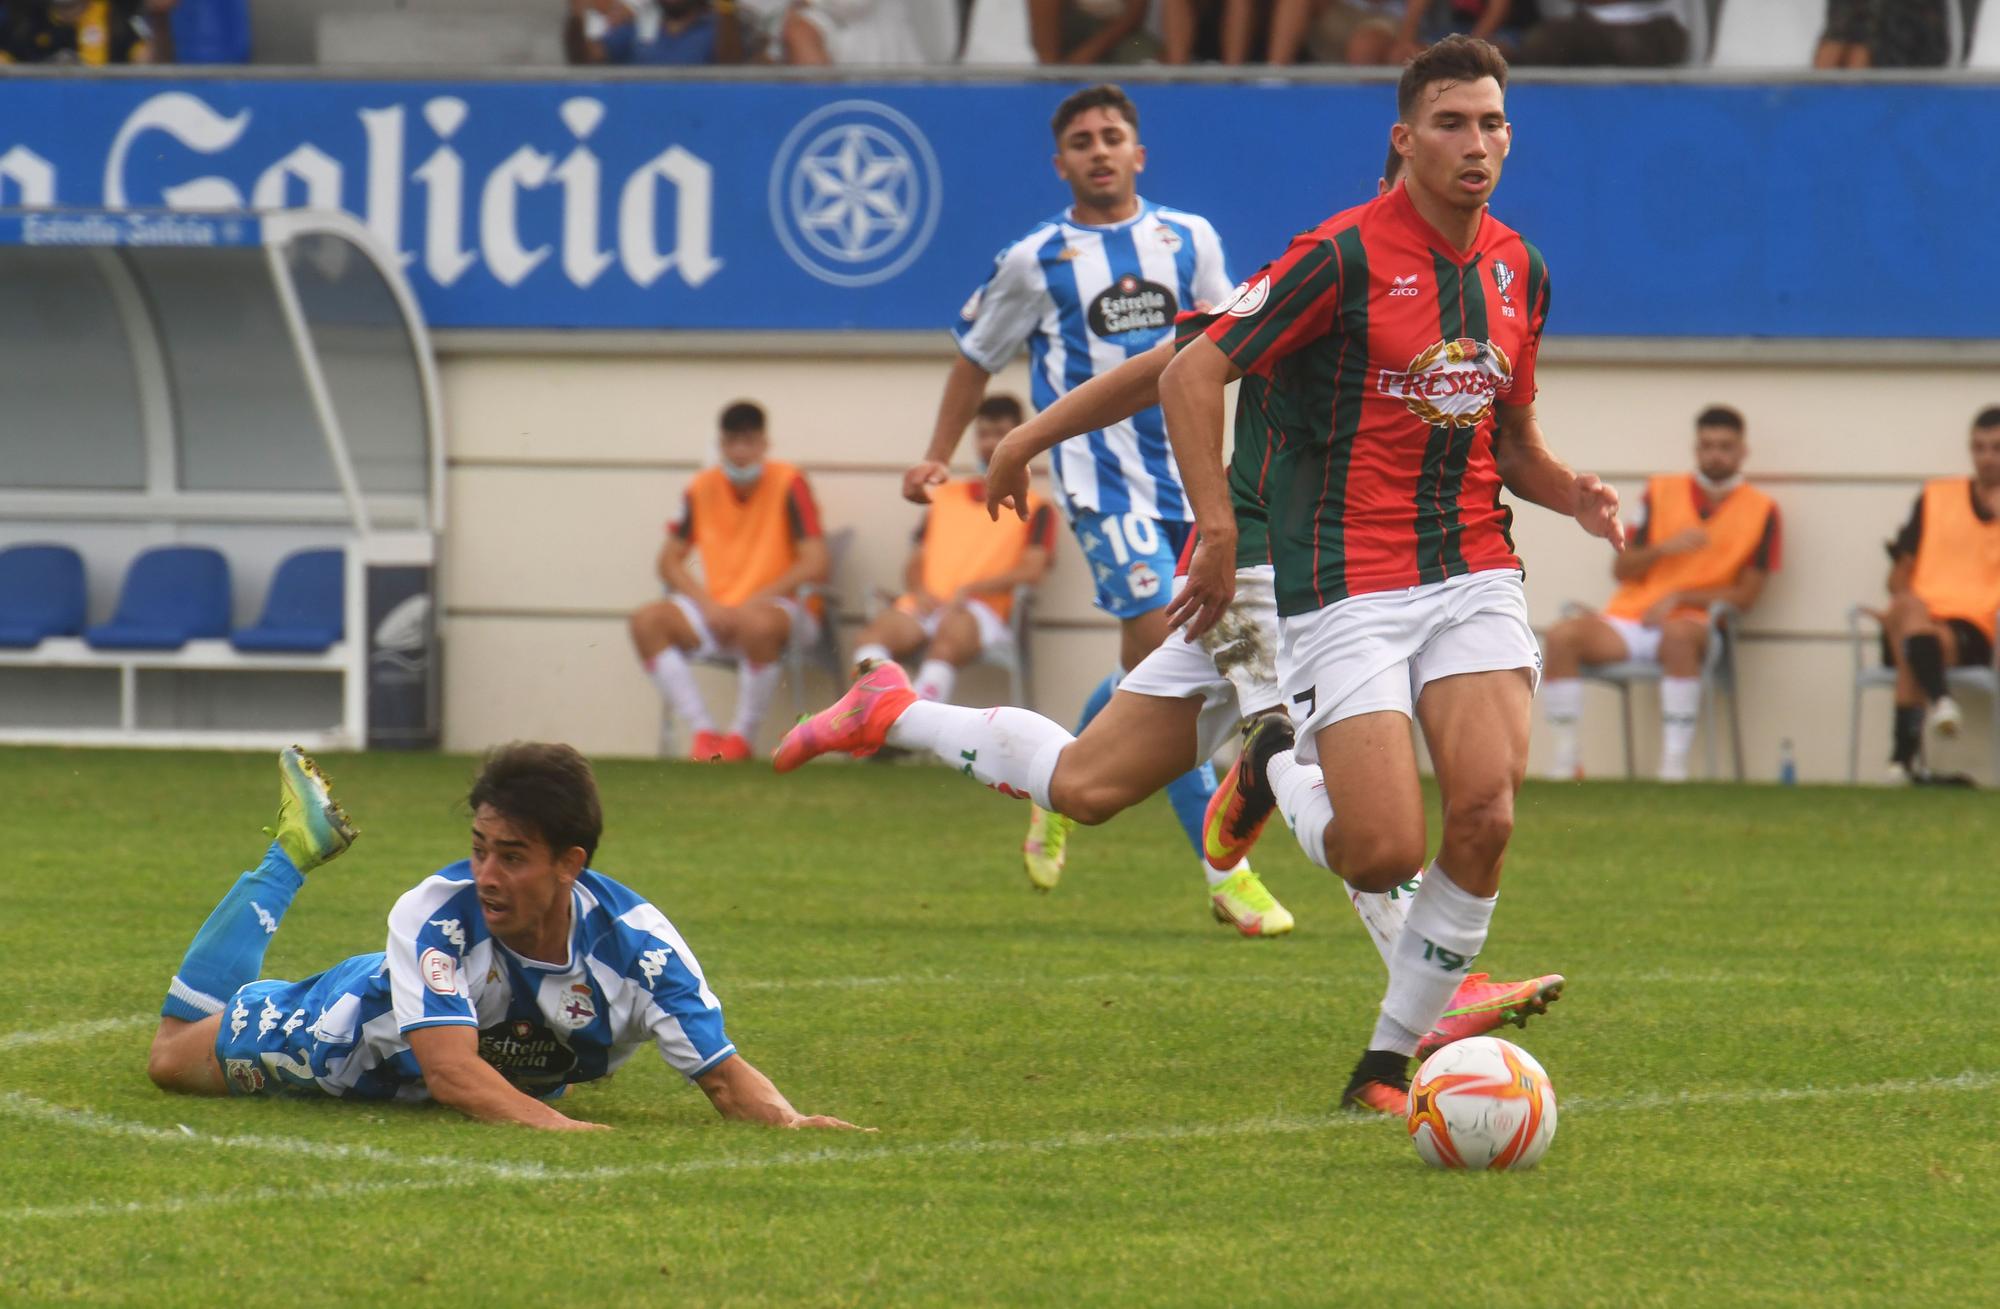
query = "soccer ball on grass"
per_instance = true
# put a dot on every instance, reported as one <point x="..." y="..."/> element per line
<point x="1482" y="1103"/>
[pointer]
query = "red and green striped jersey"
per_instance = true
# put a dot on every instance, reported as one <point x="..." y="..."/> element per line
<point x="1259" y="437"/>
<point x="1387" y="351"/>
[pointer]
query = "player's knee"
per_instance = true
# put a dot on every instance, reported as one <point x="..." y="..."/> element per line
<point x="166" y="1067"/>
<point x="1381" y="862"/>
<point x="1088" y="801"/>
<point x="1908" y="614"/>
<point x="1484" y="823"/>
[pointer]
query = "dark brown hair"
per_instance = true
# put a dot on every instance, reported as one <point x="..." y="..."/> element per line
<point x="1987" y="417"/>
<point x="742" y="417"/>
<point x="1393" y="166"/>
<point x="1105" y="95"/>
<point x="546" y="788"/>
<point x="1455" y="59"/>
<point x="1720" y="416"/>
<point x="1001" y="405"/>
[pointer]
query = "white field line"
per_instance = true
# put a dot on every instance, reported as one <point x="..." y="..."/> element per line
<point x="73" y="1031"/>
<point x="470" y="1174"/>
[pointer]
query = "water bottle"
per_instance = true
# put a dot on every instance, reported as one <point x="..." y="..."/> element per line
<point x="1788" y="764"/>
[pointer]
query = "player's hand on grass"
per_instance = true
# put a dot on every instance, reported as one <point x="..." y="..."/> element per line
<point x="1007" y="481"/>
<point x="578" y="1125"/>
<point x="827" y="1121"/>
<point x="1210" y="587"/>
<point x="921" y="477"/>
<point x="1597" y="510"/>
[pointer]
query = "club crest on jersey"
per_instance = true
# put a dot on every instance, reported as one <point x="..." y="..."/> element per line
<point x="244" y="1075"/>
<point x="1168" y="238"/>
<point x="1451" y="384"/>
<point x="1247" y="298"/>
<point x="1131" y="304"/>
<point x="575" y="1007"/>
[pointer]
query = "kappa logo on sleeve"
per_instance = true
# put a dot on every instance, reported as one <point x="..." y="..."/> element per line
<point x="652" y="963"/>
<point x="440" y="971"/>
<point x="452" y="931"/>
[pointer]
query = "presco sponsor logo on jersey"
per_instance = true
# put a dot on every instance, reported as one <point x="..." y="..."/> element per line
<point x="1451" y="384"/>
<point x="1132" y="305"/>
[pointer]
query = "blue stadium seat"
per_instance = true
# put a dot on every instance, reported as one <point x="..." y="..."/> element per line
<point x="306" y="609"/>
<point x="41" y="594"/>
<point x="171" y="595"/>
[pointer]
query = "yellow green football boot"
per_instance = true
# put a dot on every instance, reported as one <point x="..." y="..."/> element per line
<point x="1242" y="901"/>
<point x="1046" y="846"/>
<point x="312" y="827"/>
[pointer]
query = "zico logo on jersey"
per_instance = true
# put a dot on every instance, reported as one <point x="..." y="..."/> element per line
<point x="1130" y="305"/>
<point x="1451" y="384"/>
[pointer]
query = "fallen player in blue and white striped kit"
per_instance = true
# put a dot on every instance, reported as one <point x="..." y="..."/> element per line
<point x="506" y="978"/>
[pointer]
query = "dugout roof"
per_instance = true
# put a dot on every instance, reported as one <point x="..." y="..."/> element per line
<point x="248" y="367"/>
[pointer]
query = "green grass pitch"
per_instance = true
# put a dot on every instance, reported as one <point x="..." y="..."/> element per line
<point x="1778" y="1061"/>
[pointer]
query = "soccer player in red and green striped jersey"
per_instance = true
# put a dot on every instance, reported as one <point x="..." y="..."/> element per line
<point x="1400" y="337"/>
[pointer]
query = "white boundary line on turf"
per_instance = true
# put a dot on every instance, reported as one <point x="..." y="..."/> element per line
<point x="472" y="1173"/>
<point x="73" y="1031"/>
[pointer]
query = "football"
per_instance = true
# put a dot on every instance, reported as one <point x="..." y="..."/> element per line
<point x="1482" y="1103"/>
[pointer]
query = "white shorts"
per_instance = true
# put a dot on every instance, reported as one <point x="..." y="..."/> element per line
<point x="1376" y="652"/>
<point x="805" y="628"/>
<point x="1233" y="669"/>
<point x="996" y="634"/>
<point x="1642" y="643"/>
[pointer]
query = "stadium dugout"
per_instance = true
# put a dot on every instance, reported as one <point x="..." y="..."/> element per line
<point x="220" y="483"/>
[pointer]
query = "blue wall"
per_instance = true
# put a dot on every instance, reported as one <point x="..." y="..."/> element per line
<point x="1664" y="210"/>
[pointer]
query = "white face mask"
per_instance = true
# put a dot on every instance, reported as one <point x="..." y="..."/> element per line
<point x="743" y="477"/>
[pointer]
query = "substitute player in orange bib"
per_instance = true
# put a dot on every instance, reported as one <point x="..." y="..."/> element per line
<point x="1700" y="537"/>
<point x="1944" y="591"/>
<point x="1401" y="338"/>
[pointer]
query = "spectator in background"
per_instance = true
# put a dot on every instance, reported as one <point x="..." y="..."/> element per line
<point x="1091" y="31"/>
<point x="960" y="579"/>
<point x="1885" y="34"/>
<point x="865" y="32"/>
<point x="1610" y="33"/>
<point x="88" y="32"/>
<point x="755" y="525"/>
<point x="1428" y="21"/>
<point x="1337" y="31"/>
<point x="1235" y="23"/>
<point x="1700" y="537"/>
<point x="684" y="33"/>
<point x="1944" y="590"/>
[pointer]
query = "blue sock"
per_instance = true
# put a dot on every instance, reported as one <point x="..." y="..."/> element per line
<point x="1098" y="699"/>
<point x="228" y="951"/>
<point x="1189" y="794"/>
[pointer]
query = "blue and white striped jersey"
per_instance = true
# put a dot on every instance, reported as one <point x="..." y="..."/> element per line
<point x="1085" y="299"/>
<point x="629" y="980"/>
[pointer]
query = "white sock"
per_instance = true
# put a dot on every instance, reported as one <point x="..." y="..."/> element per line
<point x="1302" y="803"/>
<point x="670" y="672"/>
<point x="1444" y="934"/>
<point x="1011" y="750"/>
<point x="935" y="680"/>
<point x="756" y="684"/>
<point x="1216" y="878"/>
<point x="1384" y="913"/>
<point x="1562" y="710"/>
<point x="1680" y="707"/>
<point x="871" y="652"/>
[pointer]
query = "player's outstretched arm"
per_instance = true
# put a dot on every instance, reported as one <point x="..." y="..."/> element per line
<point x="964" y="388"/>
<point x="739" y="1091"/>
<point x="455" y="1075"/>
<point x="1529" y="470"/>
<point x="1105" y="399"/>
<point x="1191" y="399"/>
